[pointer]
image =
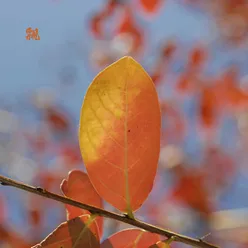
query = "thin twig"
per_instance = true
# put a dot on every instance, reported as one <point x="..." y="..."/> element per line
<point x="205" y="236"/>
<point x="104" y="213"/>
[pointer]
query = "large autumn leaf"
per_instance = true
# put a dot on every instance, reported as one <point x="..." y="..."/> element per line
<point x="76" y="233"/>
<point x="119" y="134"/>
<point x="130" y="238"/>
<point x="79" y="188"/>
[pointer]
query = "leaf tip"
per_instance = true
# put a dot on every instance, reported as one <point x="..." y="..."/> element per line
<point x="73" y="173"/>
<point x="63" y="186"/>
<point x="128" y="59"/>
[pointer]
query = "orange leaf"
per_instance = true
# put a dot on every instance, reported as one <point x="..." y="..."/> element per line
<point x="57" y="120"/>
<point x="174" y="127"/>
<point x="35" y="217"/>
<point x="169" y="49"/>
<point x="111" y="6"/>
<point x="98" y="19"/>
<point x="76" y="233"/>
<point x="150" y="6"/>
<point x="188" y="83"/>
<point x="71" y="154"/>
<point x="79" y="188"/>
<point x="96" y="25"/>
<point x="3" y="209"/>
<point x="207" y="107"/>
<point x="191" y="190"/>
<point x="12" y="238"/>
<point x="119" y="134"/>
<point x="197" y="56"/>
<point x="129" y="27"/>
<point x="130" y="238"/>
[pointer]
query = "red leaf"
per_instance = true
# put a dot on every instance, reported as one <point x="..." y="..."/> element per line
<point x="175" y="130"/>
<point x="158" y="72"/>
<point x="76" y="233"/>
<point x="34" y="217"/>
<point x="207" y="108"/>
<point x="48" y="179"/>
<point x="79" y="188"/>
<point x="12" y="238"/>
<point x="71" y="154"/>
<point x="220" y="168"/>
<point x="128" y="26"/>
<point x="57" y="120"/>
<point x="96" y="25"/>
<point x="130" y="238"/>
<point x="169" y="49"/>
<point x="186" y="82"/>
<point x="97" y="20"/>
<point x="191" y="190"/>
<point x="150" y="6"/>
<point x="197" y="56"/>
<point x="3" y="209"/>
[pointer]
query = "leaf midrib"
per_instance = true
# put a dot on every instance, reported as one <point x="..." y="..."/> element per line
<point x="129" y="210"/>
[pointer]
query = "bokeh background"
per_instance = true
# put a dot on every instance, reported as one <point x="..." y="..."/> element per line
<point x="196" y="51"/>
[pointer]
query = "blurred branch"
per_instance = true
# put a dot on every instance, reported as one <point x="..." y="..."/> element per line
<point x="101" y="212"/>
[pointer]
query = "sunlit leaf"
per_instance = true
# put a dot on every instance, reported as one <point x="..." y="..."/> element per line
<point x="79" y="188"/>
<point x="130" y="238"/>
<point x="119" y="134"/>
<point x="76" y="233"/>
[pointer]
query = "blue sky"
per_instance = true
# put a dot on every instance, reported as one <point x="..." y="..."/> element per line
<point x="64" y="41"/>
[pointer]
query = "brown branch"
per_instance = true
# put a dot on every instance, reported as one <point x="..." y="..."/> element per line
<point x="104" y="213"/>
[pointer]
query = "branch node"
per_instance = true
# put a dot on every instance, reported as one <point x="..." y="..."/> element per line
<point x="39" y="189"/>
<point x="170" y="240"/>
<point x="4" y="184"/>
<point x="127" y="216"/>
